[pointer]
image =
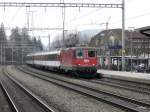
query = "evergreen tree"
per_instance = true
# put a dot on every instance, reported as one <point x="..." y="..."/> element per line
<point x="3" y="39"/>
<point x="35" y="44"/>
<point x="23" y="44"/>
<point x="15" y="37"/>
<point x="3" y="44"/>
<point x="15" y="40"/>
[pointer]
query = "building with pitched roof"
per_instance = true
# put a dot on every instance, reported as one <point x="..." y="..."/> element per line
<point x="137" y="45"/>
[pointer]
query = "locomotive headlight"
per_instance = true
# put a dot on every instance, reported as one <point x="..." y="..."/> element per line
<point x="93" y="64"/>
<point x="78" y="64"/>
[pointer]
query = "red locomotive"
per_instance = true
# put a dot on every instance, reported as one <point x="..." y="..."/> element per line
<point x="77" y="60"/>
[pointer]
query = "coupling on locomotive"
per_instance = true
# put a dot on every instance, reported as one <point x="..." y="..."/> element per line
<point x="77" y="60"/>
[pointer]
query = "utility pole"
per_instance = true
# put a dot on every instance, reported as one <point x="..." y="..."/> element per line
<point x="131" y="51"/>
<point x="4" y="53"/>
<point x="28" y="24"/>
<point x="63" y="19"/>
<point x="123" y="35"/>
<point x="108" y="54"/>
<point x="22" y="56"/>
<point x="32" y="23"/>
<point x="12" y="55"/>
<point x="49" y="42"/>
<point x="1" y="55"/>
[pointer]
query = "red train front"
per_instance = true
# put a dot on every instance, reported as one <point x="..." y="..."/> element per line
<point x="79" y="60"/>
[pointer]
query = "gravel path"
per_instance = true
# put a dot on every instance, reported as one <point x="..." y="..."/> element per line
<point x="63" y="99"/>
<point x="123" y="92"/>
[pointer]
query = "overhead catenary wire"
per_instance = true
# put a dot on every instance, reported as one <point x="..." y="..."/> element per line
<point x="16" y="13"/>
<point x="132" y="18"/>
<point x="87" y="14"/>
<point x="91" y="12"/>
<point x="14" y="16"/>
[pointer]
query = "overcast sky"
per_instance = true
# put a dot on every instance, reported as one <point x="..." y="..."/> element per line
<point x="137" y="14"/>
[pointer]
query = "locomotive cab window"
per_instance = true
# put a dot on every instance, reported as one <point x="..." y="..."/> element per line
<point x="79" y="53"/>
<point x="91" y="53"/>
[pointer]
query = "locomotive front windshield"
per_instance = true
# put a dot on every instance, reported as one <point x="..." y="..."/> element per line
<point x="91" y="53"/>
<point x="79" y="53"/>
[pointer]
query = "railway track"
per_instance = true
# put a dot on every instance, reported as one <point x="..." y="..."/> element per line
<point x="114" y="99"/>
<point x="122" y="84"/>
<point x="10" y="106"/>
<point x="127" y="83"/>
<point x="20" y="98"/>
<point x="130" y="87"/>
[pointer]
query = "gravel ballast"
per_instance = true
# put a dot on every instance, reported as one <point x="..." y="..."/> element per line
<point x="111" y="89"/>
<point x="64" y="100"/>
<point x="4" y="105"/>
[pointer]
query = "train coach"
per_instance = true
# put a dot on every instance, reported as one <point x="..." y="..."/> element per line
<point x="80" y="61"/>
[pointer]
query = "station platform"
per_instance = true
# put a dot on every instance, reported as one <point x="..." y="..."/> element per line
<point x="130" y="76"/>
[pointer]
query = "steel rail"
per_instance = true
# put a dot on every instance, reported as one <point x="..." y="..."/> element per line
<point x="12" y="104"/>
<point x="31" y="94"/>
<point x="114" y="99"/>
<point x="128" y="83"/>
<point x="118" y="85"/>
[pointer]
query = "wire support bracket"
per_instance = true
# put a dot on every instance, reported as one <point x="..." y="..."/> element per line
<point x="92" y="5"/>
